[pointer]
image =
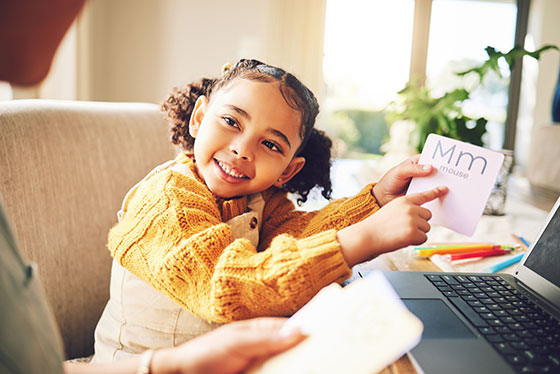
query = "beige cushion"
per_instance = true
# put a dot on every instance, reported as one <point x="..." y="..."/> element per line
<point x="64" y="168"/>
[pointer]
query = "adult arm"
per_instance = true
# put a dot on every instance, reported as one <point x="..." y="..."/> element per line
<point x="229" y="349"/>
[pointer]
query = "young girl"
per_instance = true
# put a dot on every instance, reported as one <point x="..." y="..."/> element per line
<point x="211" y="237"/>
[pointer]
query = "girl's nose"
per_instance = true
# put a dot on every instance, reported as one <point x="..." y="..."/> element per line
<point x="242" y="151"/>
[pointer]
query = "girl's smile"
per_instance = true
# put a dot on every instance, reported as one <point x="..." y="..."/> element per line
<point x="245" y="138"/>
<point x="229" y="173"/>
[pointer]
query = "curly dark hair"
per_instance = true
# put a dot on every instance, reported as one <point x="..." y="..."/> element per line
<point x="315" y="146"/>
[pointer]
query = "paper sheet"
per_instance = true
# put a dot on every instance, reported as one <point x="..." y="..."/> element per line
<point x="361" y="328"/>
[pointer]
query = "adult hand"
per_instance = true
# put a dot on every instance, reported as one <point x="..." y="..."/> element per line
<point x="231" y="348"/>
<point x="400" y="223"/>
<point x="395" y="182"/>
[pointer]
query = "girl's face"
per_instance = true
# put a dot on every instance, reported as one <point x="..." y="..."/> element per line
<point x="245" y="139"/>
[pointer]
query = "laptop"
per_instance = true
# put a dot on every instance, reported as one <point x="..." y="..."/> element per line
<point x="489" y="323"/>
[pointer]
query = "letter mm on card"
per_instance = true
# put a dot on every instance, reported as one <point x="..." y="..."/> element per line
<point x="470" y="173"/>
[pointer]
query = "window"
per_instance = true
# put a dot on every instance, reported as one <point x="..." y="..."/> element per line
<point x="460" y="30"/>
<point x="367" y="61"/>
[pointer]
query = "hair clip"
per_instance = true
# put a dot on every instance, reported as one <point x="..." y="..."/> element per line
<point x="225" y="68"/>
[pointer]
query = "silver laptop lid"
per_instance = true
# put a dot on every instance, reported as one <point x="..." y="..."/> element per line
<point x="540" y="267"/>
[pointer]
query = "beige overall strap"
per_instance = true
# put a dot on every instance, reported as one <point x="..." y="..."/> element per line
<point x="248" y="225"/>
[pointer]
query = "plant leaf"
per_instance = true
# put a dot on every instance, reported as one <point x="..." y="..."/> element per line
<point x="513" y="55"/>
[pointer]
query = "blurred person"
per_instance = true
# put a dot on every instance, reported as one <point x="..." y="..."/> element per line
<point x="30" y="31"/>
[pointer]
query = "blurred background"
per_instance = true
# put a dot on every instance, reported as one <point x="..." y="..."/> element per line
<point x="356" y="55"/>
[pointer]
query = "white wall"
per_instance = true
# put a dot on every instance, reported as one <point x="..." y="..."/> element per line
<point x="545" y="29"/>
<point x="140" y="49"/>
<point x="544" y="167"/>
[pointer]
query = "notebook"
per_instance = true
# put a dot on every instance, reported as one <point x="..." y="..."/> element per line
<point x="489" y="323"/>
<point x="336" y="340"/>
<point x="470" y="173"/>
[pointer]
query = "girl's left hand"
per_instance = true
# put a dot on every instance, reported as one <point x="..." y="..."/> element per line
<point x="395" y="182"/>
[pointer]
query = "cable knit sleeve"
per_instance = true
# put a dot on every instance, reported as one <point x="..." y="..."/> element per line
<point x="280" y="216"/>
<point x="172" y="236"/>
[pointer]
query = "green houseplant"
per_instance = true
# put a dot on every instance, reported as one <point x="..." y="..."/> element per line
<point x="439" y="115"/>
<point x="443" y="115"/>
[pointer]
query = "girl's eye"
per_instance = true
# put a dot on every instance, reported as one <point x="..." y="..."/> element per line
<point x="230" y="121"/>
<point x="272" y="146"/>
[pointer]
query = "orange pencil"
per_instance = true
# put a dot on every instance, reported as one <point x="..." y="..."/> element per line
<point x="447" y="249"/>
<point x="521" y="241"/>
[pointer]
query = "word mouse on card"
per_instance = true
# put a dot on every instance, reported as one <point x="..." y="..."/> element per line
<point x="469" y="171"/>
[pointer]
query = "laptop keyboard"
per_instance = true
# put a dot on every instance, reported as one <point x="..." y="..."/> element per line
<point x="522" y="332"/>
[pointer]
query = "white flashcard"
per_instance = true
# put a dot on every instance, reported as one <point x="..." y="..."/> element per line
<point x="469" y="171"/>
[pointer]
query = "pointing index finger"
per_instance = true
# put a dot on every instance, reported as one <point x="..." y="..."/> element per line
<point x="423" y="197"/>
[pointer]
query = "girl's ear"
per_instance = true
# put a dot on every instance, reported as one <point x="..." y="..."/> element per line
<point x="197" y="115"/>
<point x="291" y="170"/>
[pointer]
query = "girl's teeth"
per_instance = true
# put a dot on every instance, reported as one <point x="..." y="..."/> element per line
<point x="229" y="171"/>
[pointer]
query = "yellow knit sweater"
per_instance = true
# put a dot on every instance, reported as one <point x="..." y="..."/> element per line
<point x="174" y="237"/>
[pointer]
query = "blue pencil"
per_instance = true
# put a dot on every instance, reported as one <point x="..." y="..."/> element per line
<point x="524" y="241"/>
<point x="504" y="264"/>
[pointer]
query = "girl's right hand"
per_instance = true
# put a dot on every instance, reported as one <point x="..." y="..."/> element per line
<point x="400" y="223"/>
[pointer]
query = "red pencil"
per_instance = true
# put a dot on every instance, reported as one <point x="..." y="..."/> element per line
<point x="488" y="253"/>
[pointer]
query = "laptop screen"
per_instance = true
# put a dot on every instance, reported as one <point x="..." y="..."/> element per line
<point x="539" y="269"/>
<point x="544" y="259"/>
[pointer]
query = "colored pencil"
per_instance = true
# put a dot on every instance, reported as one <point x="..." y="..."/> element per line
<point x="504" y="264"/>
<point x="477" y="254"/>
<point x="521" y="240"/>
<point x="452" y="244"/>
<point x="442" y="250"/>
